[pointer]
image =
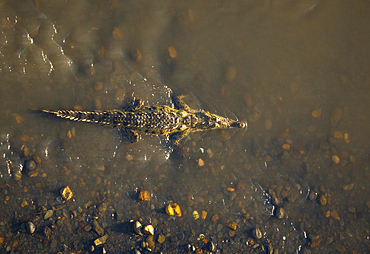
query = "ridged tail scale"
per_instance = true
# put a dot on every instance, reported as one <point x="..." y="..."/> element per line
<point x="111" y="118"/>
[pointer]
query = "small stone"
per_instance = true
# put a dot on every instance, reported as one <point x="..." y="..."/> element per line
<point x="138" y="227"/>
<point x="102" y="207"/>
<point x="129" y="157"/>
<point x="317" y="113"/>
<point x="30" y="227"/>
<point x="149" y="230"/>
<point x="53" y="243"/>
<point x="161" y="238"/>
<point x="268" y="158"/>
<point x="321" y="199"/>
<point x="173" y="209"/>
<point x="280" y="213"/>
<point x="349" y="186"/>
<point x="204" y="215"/>
<point x="144" y="195"/>
<point x="215" y="218"/>
<point x="209" y="152"/>
<point x="268" y="124"/>
<point x="200" y="162"/>
<point x="199" y="199"/>
<point x="48" y="214"/>
<point x="101" y="240"/>
<point x="211" y="246"/>
<point x="98" y="229"/>
<point x="195" y="215"/>
<point x="231" y="233"/>
<point x="335" y="215"/>
<point x="30" y="165"/>
<point x="47" y="231"/>
<point x="87" y="228"/>
<point x="219" y="227"/>
<point x="338" y="135"/>
<point x="66" y="193"/>
<point x="335" y="159"/>
<point x="352" y="209"/>
<point x="257" y="233"/>
<point x="232" y="225"/>
<point x="312" y="195"/>
<point x="17" y="175"/>
<point x="286" y="146"/>
<point x="91" y="248"/>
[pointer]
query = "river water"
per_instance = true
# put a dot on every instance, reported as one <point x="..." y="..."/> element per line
<point x="296" y="71"/>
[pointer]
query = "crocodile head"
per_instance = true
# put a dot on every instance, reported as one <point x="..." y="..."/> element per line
<point x="205" y="120"/>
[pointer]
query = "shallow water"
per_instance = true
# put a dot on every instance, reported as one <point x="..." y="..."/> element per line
<point x="296" y="71"/>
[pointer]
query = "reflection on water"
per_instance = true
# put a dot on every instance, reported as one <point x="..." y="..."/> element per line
<point x="295" y="70"/>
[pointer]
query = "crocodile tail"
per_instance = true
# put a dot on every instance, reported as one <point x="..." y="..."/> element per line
<point x="78" y="115"/>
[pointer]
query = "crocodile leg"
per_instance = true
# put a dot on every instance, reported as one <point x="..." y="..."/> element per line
<point x="178" y="136"/>
<point x="179" y="103"/>
<point x="132" y="134"/>
<point x="136" y="105"/>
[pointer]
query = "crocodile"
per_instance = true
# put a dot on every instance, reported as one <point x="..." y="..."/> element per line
<point x="178" y="122"/>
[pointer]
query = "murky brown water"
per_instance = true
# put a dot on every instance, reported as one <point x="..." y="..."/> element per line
<point x="297" y="71"/>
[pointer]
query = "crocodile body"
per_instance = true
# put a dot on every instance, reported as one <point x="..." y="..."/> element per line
<point x="154" y="120"/>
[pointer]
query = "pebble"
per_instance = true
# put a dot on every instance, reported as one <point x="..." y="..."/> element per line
<point x="30" y="227"/>
<point x="161" y="238"/>
<point x="195" y="215"/>
<point x="200" y="162"/>
<point x="48" y="214"/>
<point x="66" y="193"/>
<point x="144" y="195"/>
<point x="211" y="246"/>
<point x="352" y="209"/>
<point x="30" y="165"/>
<point x="316" y="113"/>
<point x="349" y="186"/>
<point x="335" y="159"/>
<point x="87" y="228"/>
<point x="100" y="240"/>
<point x="47" y="231"/>
<point x="219" y="227"/>
<point x="257" y="233"/>
<point x="338" y="134"/>
<point x="98" y="229"/>
<point x="102" y="207"/>
<point x="321" y="199"/>
<point x="231" y="233"/>
<point x="149" y="230"/>
<point x="268" y="124"/>
<point x="280" y="213"/>
<point x="173" y="209"/>
<point x="334" y="214"/>
<point x="138" y="227"/>
<point x="204" y="215"/>
<point x="215" y="218"/>
<point x="312" y="195"/>
<point x="232" y="225"/>
<point x="53" y="243"/>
